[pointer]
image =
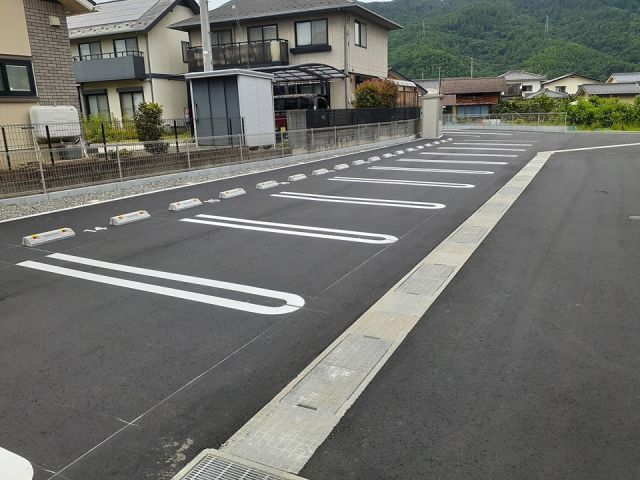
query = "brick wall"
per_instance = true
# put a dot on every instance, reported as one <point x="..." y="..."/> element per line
<point x="51" y="52"/>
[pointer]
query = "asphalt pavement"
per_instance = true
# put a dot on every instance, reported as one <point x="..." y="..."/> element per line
<point x="525" y="366"/>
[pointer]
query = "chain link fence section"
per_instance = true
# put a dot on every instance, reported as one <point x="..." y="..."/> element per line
<point x="38" y="159"/>
<point x="547" y="122"/>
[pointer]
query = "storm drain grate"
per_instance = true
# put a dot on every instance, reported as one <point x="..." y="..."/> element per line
<point x="211" y="467"/>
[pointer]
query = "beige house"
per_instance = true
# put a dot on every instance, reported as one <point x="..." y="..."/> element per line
<point x="628" y="77"/>
<point x="124" y="55"/>
<point x="35" y="65"/>
<point x="568" y="84"/>
<point x="319" y="50"/>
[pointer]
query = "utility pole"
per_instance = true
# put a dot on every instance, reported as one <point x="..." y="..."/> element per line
<point x="205" y="31"/>
<point x="471" y="67"/>
<point x="546" y="27"/>
<point x="439" y="80"/>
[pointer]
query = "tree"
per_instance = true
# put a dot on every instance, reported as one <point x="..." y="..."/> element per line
<point x="150" y="127"/>
<point x="376" y="94"/>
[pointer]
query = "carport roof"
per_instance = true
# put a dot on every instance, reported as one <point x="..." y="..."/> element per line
<point x="309" y="72"/>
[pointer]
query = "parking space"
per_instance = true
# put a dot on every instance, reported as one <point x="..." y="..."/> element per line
<point x="163" y="337"/>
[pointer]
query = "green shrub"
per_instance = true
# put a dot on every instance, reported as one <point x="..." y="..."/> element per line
<point x="150" y="127"/>
<point x="376" y="94"/>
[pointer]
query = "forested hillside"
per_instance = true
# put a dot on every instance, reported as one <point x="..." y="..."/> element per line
<point x="591" y="37"/>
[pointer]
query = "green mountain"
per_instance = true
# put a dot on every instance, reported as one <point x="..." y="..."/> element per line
<point x="591" y="37"/>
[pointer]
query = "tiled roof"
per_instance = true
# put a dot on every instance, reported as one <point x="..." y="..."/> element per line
<point x="546" y="92"/>
<point x="521" y="76"/>
<point x="626" y="77"/>
<point x="122" y="16"/>
<point x="630" y="88"/>
<point x="567" y="76"/>
<point x="236" y="10"/>
<point x="462" y="86"/>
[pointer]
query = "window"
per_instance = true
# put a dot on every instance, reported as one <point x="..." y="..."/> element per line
<point x="221" y="37"/>
<point x="185" y="49"/>
<point x="90" y="51"/>
<point x="126" y="47"/>
<point x="561" y="89"/>
<point x="16" y="79"/>
<point x="129" y="102"/>
<point x="98" y="104"/>
<point x="360" y="34"/>
<point x="527" y="88"/>
<point x="262" y="33"/>
<point x="312" y="33"/>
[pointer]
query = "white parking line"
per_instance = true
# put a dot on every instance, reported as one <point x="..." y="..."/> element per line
<point x="389" y="181"/>
<point x="471" y="162"/>
<point x="480" y="149"/>
<point x="360" y="201"/>
<point x="293" y="302"/>
<point x="433" y="170"/>
<point x="14" y="467"/>
<point x="298" y="230"/>
<point x="470" y="154"/>
<point x="495" y="144"/>
<point x="460" y="132"/>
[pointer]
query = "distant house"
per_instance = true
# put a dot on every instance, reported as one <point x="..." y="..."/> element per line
<point x="545" y="92"/>
<point x="317" y="49"/>
<point x="35" y="63"/>
<point x="569" y="83"/>
<point x="472" y="96"/>
<point x="520" y="83"/>
<point x="624" y="77"/>
<point x="625" y="92"/>
<point x="408" y="91"/>
<point x="431" y="85"/>
<point x="124" y="55"/>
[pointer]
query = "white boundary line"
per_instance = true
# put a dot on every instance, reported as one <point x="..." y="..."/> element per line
<point x="244" y="224"/>
<point x="360" y="201"/>
<point x="466" y="162"/>
<point x="477" y="149"/>
<point x="415" y="183"/>
<point x="433" y="170"/>
<point x="293" y="302"/>
<point x="470" y="154"/>
<point x="478" y="143"/>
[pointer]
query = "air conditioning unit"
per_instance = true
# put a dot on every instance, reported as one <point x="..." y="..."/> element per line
<point x="63" y="122"/>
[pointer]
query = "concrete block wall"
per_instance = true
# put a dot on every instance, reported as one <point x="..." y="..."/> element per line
<point x="51" y="54"/>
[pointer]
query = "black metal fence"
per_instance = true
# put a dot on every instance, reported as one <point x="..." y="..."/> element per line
<point x="359" y="116"/>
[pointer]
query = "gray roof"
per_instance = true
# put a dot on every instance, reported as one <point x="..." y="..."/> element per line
<point x="547" y="93"/>
<point x="626" y="89"/>
<point x="521" y="76"/>
<point x="626" y="77"/>
<point x="264" y="9"/>
<point x="123" y="16"/>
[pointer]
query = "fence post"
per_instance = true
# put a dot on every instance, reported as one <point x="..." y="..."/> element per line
<point x="335" y="136"/>
<point x="6" y="148"/>
<point x="241" y="154"/>
<point x="538" y="120"/>
<point x="313" y="147"/>
<point x="46" y="127"/>
<point x="118" y="160"/>
<point x="378" y="131"/>
<point x="39" y="155"/>
<point x="175" y="134"/>
<point x="188" y="157"/>
<point x="104" y="141"/>
<point x="282" y="142"/>
<point x="358" y="134"/>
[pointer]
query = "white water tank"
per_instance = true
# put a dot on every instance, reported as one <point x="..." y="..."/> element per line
<point x="63" y="122"/>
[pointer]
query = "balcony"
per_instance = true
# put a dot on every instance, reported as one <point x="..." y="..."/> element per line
<point x="269" y="53"/>
<point x="110" y="66"/>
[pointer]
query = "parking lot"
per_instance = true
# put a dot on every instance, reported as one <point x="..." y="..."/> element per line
<point x="127" y="350"/>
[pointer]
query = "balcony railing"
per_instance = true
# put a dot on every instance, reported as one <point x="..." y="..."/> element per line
<point x="128" y="65"/>
<point x="244" y="54"/>
<point x="100" y="56"/>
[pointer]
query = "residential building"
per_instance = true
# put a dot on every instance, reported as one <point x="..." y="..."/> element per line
<point x="625" y="92"/>
<point x="624" y="77"/>
<point x="319" y="50"/>
<point x="431" y="85"/>
<point x="471" y="96"/>
<point x="35" y="56"/>
<point x="545" y="92"/>
<point x="521" y="83"/>
<point x="124" y="55"/>
<point x="569" y="83"/>
<point x="409" y="92"/>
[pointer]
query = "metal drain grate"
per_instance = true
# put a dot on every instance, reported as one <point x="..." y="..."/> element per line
<point x="211" y="467"/>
